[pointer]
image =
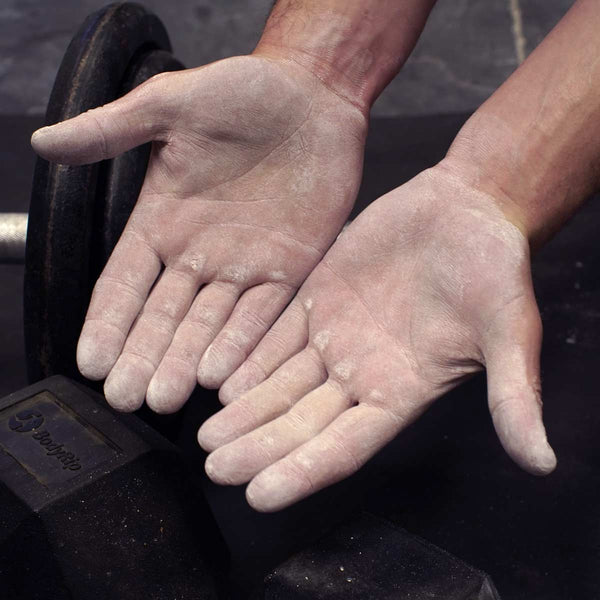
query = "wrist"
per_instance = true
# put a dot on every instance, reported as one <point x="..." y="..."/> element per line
<point x="354" y="47"/>
<point x="534" y="143"/>
<point x="461" y="179"/>
<point x="483" y="156"/>
<point x="538" y="174"/>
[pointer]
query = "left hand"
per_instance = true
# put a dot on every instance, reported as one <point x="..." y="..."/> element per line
<point x="429" y="285"/>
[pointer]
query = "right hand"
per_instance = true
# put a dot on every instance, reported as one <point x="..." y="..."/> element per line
<point x="255" y="167"/>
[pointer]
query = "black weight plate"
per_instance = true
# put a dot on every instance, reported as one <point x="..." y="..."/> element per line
<point x="125" y="173"/>
<point x="58" y="281"/>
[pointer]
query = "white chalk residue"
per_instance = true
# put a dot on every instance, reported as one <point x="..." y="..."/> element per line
<point x="277" y="276"/>
<point x="344" y="369"/>
<point x="197" y="262"/>
<point x="321" y="340"/>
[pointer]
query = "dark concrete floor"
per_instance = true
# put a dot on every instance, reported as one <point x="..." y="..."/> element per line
<point x="467" y="50"/>
<point x="446" y="478"/>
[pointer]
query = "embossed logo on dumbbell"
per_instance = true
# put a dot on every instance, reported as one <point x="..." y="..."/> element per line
<point x="25" y="421"/>
<point x="28" y="421"/>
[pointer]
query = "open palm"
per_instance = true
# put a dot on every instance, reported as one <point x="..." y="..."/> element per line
<point x="254" y="169"/>
<point x="430" y="284"/>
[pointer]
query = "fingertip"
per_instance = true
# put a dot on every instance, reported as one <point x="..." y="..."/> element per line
<point x="206" y="437"/>
<point x="523" y="436"/>
<point x="94" y="359"/>
<point x="241" y="381"/>
<point x="207" y="379"/>
<point x="256" y="500"/>
<point x="213" y="369"/>
<point x="541" y="461"/>
<point x="121" y="392"/>
<point x="215" y="432"/>
<point x="226" y="395"/>
<point x="210" y="468"/>
<point x="231" y="389"/>
<point x="270" y="491"/>
<point x="38" y="138"/>
<point x="52" y="143"/>
<point x="89" y="368"/>
<point x="164" y="398"/>
<point x="217" y="467"/>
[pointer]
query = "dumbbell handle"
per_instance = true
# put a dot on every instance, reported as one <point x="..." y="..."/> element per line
<point x="13" y="233"/>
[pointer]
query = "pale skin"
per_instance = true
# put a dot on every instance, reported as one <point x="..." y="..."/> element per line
<point x="255" y="166"/>
<point x="397" y="313"/>
<point x="236" y="236"/>
<point x="429" y="285"/>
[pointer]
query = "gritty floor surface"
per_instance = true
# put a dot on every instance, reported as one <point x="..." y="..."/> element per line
<point x="445" y="479"/>
<point x="467" y="50"/>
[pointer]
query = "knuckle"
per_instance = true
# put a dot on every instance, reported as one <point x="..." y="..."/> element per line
<point x="160" y="321"/>
<point x="252" y="369"/>
<point x="254" y="320"/>
<point x="294" y="470"/>
<point x="202" y="319"/>
<point x="114" y="286"/>
<point x="502" y="405"/>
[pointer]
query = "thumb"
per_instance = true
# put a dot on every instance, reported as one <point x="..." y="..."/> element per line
<point x="512" y="354"/>
<point x="109" y="130"/>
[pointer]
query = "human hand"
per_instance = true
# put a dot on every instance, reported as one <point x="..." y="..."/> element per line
<point x="254" y="168"/>
<point x="428" y="285"/>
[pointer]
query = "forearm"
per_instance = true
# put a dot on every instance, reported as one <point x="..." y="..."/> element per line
<point x="535" y="144"/>
<point x="354" y="46"/>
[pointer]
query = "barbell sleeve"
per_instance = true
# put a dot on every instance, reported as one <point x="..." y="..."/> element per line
<point x="13" y="235"/>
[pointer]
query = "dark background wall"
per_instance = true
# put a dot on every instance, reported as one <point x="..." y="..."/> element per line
<point x="468" y="48"/>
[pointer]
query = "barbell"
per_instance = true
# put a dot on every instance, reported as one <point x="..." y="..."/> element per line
<point x="13" y="235"/>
